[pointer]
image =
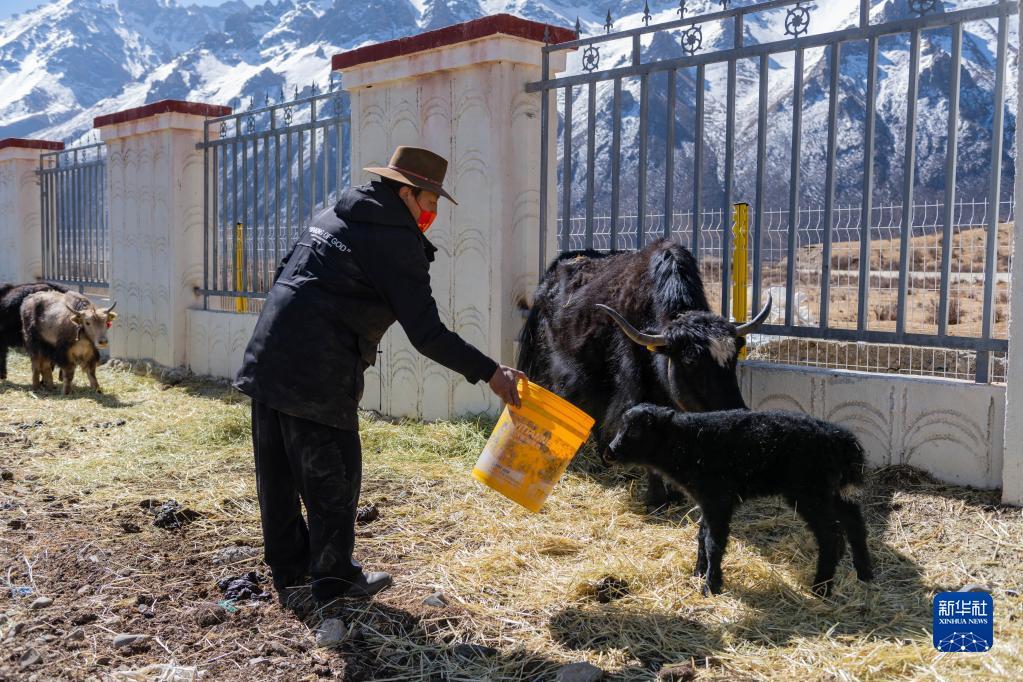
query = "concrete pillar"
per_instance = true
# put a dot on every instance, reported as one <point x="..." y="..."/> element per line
<point x="461" y="92"/>
<point x="155" y="205"/>
<point x="1012" y="457"/>
<point x="21" y="255"/>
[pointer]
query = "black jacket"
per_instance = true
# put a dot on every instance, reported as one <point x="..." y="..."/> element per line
<point x="357" y="269"/>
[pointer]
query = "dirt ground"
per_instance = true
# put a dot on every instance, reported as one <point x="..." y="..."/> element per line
<point x="81" y="480"/>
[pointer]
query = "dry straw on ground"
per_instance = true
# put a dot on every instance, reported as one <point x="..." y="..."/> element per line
<point x="521" y="584"/>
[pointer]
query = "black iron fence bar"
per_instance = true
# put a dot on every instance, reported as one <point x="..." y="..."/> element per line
<point x="73" y="220"/>
<point x="829" y="181"/>
<point x="758" y="221"/>
<point x="616" y="162"/>
<point x="209" y="251"/>
<point x="591" y="157"/>
<point x="297" y="103"/>
<point x="907" y="339"/>
<point x="701" y="75"/>
<point x="735" y="13"/>
<point x="545" y="140"/>
<point x="951" y="159"/>
<point x="908" y="180"/>
<point x="669" y="155"/>
<point x="252" y="202"/>
<point x="726" y="213"/>
<point x="990" y="258"/>
<point x="644" y="115"/>
<point x="797" y="137"/>
<point x="244" y="220"/>
<point x="566" y="173"/>
<point x="277" y="188"/>
<point x="872" y="31"/>
<point x="868" y="184"/>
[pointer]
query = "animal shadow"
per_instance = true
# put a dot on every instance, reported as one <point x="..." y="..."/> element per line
<point x="654" y="639"/>
<point x="108" y="400"/>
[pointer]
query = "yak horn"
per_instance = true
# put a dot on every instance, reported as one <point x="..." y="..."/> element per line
<point x="755" y="324"/>
<point x="648" y="340"/>
<point x="112" y="306"/>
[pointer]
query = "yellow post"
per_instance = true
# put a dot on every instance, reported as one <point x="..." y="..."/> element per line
<point x="740" y="265"/>
<point x="241" y="304"/>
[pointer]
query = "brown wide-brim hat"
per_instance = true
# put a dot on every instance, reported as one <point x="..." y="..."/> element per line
<point x="416" y="167"/>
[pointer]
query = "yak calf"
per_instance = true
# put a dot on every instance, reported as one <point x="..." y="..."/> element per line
<point x="66" y="330"/>
<point x="723" y="458"/>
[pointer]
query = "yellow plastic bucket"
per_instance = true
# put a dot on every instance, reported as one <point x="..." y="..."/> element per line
<point x="532" y="445"/>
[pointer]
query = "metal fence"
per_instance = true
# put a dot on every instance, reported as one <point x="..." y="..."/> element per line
<point x="268" y="171"/>
<point x="73" y="215"/>
<point x="854" y="285"/>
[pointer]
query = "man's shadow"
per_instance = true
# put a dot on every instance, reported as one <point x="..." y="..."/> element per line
<point x="390" y="643"/>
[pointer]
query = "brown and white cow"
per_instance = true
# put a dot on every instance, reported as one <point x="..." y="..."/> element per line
<point x="64" y="330"/>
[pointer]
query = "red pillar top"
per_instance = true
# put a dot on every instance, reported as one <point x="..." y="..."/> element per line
<point x="20" y="143"/>
<point x="167" y="106"/>
<point x="505" y="24"/>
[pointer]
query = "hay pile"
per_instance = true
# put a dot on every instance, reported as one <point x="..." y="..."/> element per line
<point x="590" y="578"/>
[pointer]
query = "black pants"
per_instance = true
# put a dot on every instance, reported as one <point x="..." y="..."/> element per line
<point x="322" y="466"/>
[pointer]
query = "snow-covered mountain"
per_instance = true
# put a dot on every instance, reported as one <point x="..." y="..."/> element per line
<point x="71" y="60"/>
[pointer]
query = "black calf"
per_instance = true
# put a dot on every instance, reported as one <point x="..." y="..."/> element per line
<point x="723" y="458"/>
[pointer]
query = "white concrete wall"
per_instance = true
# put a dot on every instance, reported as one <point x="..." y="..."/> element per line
<point x="467" y="102"/>
<point x="951" y="429"/>
<point x="217" y="340"/>
<point x="1012" y="468"/>
<point x="155" y="204"/>
<point x="20" y="231"/>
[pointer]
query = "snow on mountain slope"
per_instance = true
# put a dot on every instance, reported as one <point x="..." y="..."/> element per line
<point x="70" y="60"/>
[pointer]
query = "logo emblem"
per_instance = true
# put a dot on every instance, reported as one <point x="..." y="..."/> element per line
<point x="964" y="622"/>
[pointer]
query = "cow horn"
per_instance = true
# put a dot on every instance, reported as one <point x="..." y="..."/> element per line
<point x="755" y="324"/>
<point x="648" y="340"/>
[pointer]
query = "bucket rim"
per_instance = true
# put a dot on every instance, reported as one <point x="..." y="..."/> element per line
<point x="567" y="410"/>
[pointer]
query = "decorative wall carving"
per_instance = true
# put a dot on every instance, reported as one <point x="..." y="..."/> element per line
<point x="951" y="429"/>
<point x="155" y="203"/>
<point x="20" y="239"/>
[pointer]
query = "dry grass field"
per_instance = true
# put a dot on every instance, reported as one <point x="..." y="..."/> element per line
<point x="80" y="476"/>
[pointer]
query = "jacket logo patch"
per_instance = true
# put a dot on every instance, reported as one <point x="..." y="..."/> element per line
<point x="327" y="238"/>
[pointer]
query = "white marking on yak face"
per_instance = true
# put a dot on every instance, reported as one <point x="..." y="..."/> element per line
<point x="722" y="349"/>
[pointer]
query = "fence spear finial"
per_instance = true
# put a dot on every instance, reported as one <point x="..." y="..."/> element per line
<point x="681" y="9"/>
<point x="296" y="91"/>
<point x="578" y="29"/>
<point x="646" y="12"/>
<point x="608" y="24"/>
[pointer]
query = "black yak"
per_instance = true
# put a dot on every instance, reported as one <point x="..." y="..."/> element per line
<point x="583" y="340"/>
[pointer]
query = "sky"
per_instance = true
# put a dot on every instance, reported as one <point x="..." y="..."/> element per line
<point x="9" y="7"/>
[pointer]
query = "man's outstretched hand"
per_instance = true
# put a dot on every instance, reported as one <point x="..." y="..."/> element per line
<point x="504" y="384"/>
